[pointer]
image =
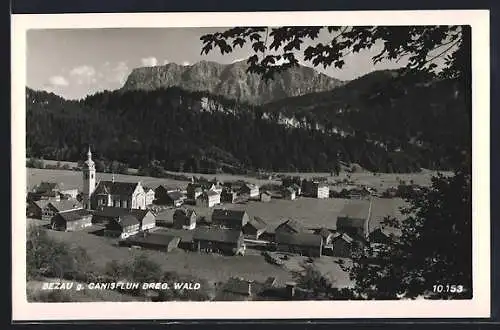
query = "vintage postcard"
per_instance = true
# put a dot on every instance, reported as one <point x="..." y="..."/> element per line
<point x="293" y="165"/>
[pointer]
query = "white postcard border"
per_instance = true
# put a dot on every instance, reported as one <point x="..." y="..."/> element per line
<point x="479" y="306"/>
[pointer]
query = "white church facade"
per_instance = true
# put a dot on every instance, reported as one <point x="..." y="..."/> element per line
<point x="129" y="195"/>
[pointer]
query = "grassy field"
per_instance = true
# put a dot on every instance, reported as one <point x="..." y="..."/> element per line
<point x="313" y="212"/>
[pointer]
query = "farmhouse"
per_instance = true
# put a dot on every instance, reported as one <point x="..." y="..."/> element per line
<point x="289" y="193"/>
<point x="194" y="190"/>
<point x="306" y="244"/>
<point x="174" y="198"/>
<point x="228" y="195"/>
<point x="250" y="189"/>
<point x="208" y="199"/>
<point x="165" y="217"/>
<point x="184" y="219"/>
<point x="218" y="240"/>
<point x="342" y="245"/>
<point x="145" y="218"/>
<point x="290" y="226"/>
<point x="254" y="228"/>
<point x="53" y="208"/>
<point x="35" y="208"/>
<point x="72" y="220"/>
<point x="45" y="191"/>
<point x="122" y="226"/>
<point x="231" y="219"/>
<point x="297" y="188"/>
<point x="354" y="219"/>
<point x="154" y="241"/>
<point x="321" y="189"/>
<point x="265" y="197"/>
<point x="161" y="194"/>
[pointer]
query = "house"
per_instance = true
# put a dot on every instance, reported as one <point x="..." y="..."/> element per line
<point x="45" y="191"/>
<point x="231" y="219"/>
<point x="122" y="226"/>
<point x="127" y="195"/>
<point x="250" y="189"/>
<point x="289" y="193"/>
<point x="174" y="198"/>
<point x="150" y="196"/>
<point x="290" y="226"/>
<point x="165" y="218"/>
<point x="208" y="199"/>
<point x="239" y="287"/>
<point x="217" y="187"/>
<point x="254" y="228"/>
<point x="35" y="208"/>
<point x="342" y="245"/>
<point x="194" y="190"/>
<point x="107" y="214"/>
<point x="306" y="244"/>
<point x="354" y="219"/>
<point x="265" y="197"/>
<point x="228" y="195"/>
<point x="72" y="220"/>
<point x="224" y="241"/>
<point x="53" y="208"/>
<point x="161" y="195"/>
<point x="383" y="235"/>
<point x="153" y="241"/>
<point x="184" y="219"/>
<point x="321" y="189"/>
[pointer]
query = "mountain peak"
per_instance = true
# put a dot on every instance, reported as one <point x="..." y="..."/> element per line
<point x="231" y="81"/>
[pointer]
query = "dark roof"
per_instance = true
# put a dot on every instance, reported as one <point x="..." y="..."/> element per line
<point x="266" y="193"/>
<point x="212" y="193"/>
<point x="344" y="237"/>
<point x="116" y="188"/>
<point x="115" y="212"/>
<point x="257" y="223"/>
<point x="320" y="184"/>
<point x="289" y="190"/>
<point x="216" y="235"/>
<point x="294" y="225"/>
<point x="355" y="209"/>
<point x="301" y="239"/>
<point x="175" y="195"/>
<point x="154" y="239"/>
<point x="165" y="215"/>
<point x="238" y="286"/>
<point x="74" y="215"/>
<point x="41" y="203"/>
<point x="66" y="205"/>
<point x="128" y="220"/>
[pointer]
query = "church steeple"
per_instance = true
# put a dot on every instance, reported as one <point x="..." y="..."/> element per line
<point x="89" y="179"/>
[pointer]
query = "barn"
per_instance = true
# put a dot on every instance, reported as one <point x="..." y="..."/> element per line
<point x="73" y="220"/>
<point x="224" y="241"/>
<point x="254" y="228"/>
<point x="231" y="219"/>
<point x="306" y="244"/>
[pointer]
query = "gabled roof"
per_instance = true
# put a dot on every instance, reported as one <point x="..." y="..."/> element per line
<point x="225" y="214"/>
<point x="116" y="188"/>
<point x="355" y="209"/>
<point x="185" y="212"/>
<point x="74" y="215"/>
<point x="344" y="237"/>
<point x="351" y="222"/>
<point x="41" y="203"/>
<point x="66" y="205"/>
<point x="257" y="223"/>
<point x="46" y="186"/>
<point x="212" y="193"/>
<point x="300" y="239"/>
<point x="217" y="235"/>
<point x="289" y="190"/>
<point x="292" y="225"/>
<point x="324" y="232"/>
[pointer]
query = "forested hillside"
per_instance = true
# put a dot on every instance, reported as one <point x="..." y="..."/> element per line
<point x="196" y="131"/>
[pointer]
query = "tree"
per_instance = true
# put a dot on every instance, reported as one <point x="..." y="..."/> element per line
<point x="423" y="46"/>
<point x="435" y="247"/>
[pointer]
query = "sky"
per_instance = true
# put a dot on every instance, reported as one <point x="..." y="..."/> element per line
<point x="74" y="63"/>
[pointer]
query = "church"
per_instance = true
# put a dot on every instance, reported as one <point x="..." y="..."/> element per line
<point x="129" y="195"/>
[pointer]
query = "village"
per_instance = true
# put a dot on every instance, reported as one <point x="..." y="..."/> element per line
<point x="213" y="217"/>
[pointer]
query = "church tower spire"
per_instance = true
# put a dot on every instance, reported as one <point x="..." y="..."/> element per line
<point x="89" y="180"/>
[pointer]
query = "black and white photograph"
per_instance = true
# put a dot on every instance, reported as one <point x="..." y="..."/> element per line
<point x="265" y="160"/>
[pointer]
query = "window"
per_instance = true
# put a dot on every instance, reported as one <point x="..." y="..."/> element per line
<point x="92" y="175"/>
<point x="85" y="175"/>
